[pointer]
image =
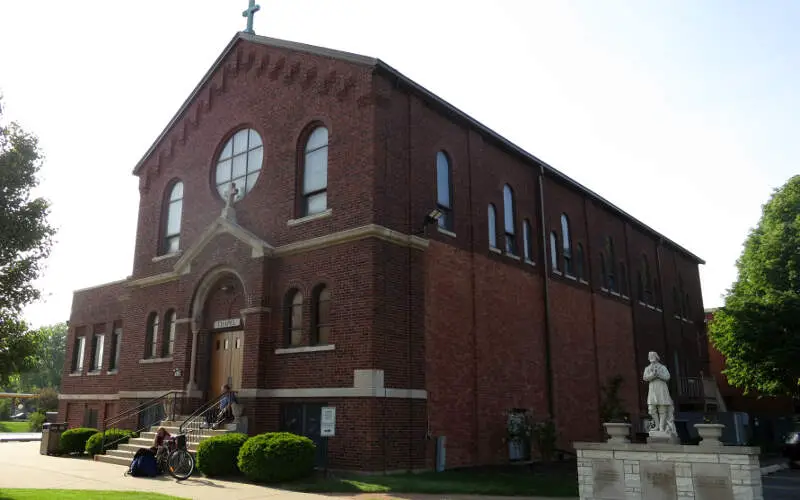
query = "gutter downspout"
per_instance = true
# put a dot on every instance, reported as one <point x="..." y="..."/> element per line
<point x="546" y="282"/>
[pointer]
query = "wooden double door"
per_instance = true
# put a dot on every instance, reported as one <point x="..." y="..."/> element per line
<point x="227" y="356"/>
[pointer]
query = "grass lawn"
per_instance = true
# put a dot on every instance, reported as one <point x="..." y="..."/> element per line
<point x="20" y="426"/>
<point x="20" y="494"/>
<point x="556" y="483"/>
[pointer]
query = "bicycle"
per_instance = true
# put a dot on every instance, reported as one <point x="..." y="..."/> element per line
<point x="178" y="462"/>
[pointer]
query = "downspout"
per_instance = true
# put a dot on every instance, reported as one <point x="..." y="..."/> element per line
<point x="633" y="300"/>
<point x="409" y="302"/>
<point x="588" y="256"/>
<point x="475" y="359"/>
<point x="546" y="283"/>
<point x="664" y="313"/>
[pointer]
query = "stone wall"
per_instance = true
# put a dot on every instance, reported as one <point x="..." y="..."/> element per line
<point x="669" y="472"/>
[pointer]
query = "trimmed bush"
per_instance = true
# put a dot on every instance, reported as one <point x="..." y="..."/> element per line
<point x="74" y="440"/>
<point x="218" y="455"/>
<point x="114" y="438"/>
<point x="35" y="421"/>
<point x="276" y="457"/>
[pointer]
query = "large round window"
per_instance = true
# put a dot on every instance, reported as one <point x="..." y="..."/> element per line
<point x="240" y="163"/>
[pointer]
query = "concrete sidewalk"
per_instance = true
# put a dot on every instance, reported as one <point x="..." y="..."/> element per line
<point x="21" y="466"/>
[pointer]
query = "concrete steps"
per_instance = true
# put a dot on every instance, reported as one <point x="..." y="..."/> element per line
<point x="124" y="453"/>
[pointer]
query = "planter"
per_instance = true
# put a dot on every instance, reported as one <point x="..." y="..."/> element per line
<point x="618" y="432"/>
<point x="710" y="434"/>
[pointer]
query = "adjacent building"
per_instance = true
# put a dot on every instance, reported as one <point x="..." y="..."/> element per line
<point x="316" y="229"/>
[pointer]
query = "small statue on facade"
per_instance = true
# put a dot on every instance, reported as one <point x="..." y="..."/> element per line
<point x="659" y="402"/>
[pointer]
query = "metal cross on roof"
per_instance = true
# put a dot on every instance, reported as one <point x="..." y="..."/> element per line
<point x="249" y="13"/>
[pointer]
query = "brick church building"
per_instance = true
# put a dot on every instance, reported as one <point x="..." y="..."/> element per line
<point x="318" y="230"/>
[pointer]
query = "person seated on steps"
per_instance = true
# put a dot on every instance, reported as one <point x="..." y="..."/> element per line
<point x="225" y="414"/>
<point x="159" y="447"/>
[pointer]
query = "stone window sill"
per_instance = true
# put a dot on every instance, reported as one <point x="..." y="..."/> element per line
<point x="302" y="349"/>
<point x="309" y="218"/>
<point x="496" y="250"/>
<point x="570" y="277"/>
<point x="159" y="258"/>
<point x="112" y="372"/>
<point x="583" y="281"/>
<point x="75" y="374"/>
<point x="530" y="262"/>
<point x="557" y="272"/>
<point x="93" y="373"/>
<point x="155" y="360"/>
<point x="445" y="232"/>
<point x="512" y="256"/>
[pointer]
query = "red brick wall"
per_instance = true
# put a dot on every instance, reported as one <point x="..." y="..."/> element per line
<point x="464" y="323"/>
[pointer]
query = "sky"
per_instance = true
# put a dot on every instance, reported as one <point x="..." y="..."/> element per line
<point x="681" y="113"/>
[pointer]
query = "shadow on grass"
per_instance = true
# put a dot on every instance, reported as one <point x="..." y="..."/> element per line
<point x="504" y="481"/>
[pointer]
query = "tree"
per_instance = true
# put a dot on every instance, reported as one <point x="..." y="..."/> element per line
<point x="25" y="241"/>
<point x="758" y="328"/>
<point x="48" y="359"/>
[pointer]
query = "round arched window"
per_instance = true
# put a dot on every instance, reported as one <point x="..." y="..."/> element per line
<point x="240" y="163"/>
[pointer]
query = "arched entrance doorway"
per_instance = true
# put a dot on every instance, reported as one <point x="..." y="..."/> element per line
<point x="219" y="354"/>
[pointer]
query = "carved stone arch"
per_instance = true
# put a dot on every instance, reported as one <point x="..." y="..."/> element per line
<point x="204" y="288"/>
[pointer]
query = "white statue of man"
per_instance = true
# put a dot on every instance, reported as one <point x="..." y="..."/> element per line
<point x="659" y="402"/>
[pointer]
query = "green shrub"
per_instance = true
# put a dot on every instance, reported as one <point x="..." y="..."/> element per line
<point x="277" y="457"/>
<point x="114" y="438"/>
<point x="74" y="440"/>
<point x="35" y="421"/>
<point x="5" y="409"/>
<point x="217" y="456"/>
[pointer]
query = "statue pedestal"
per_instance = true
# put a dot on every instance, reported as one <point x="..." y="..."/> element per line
<point x="634" y="471"/>
<point x="661" y="437"/>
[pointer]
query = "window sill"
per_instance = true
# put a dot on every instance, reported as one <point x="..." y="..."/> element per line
<point x="529" y="262"/>
<point x="309" y="218"/>
<point x="308" y="348"/>
<point x="512" y="256"/>
<point x="603" y="289"/>
<point x="557" y="272"/>
<point x="93" y="373"/>
<point x="112" y="372"/>
<point x="571" y="277"/>
<point x="155" y="360"/>
<point x="583" y="281"/>
<point x="495" y="250"/>
<point x="75" y="374"/>
<point x="445" y="232"/>
<point x="159" y="258"/>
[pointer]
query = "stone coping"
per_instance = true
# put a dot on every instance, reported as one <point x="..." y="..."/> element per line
<point x="668" y="448"/>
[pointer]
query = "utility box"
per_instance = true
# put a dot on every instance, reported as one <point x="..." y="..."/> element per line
<point x="51" y="436"/>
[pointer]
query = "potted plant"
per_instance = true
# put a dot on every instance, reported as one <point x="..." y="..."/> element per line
<point x="710" y="430"/>
<point x="518" y="432"/>
<point x="615" y="420"/>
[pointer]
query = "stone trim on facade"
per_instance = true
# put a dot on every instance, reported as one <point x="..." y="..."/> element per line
<point x="346" y="236"/>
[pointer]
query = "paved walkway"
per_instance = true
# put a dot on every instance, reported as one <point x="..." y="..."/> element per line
<point x="21" y="466"/>
<point x="20" y="436"/>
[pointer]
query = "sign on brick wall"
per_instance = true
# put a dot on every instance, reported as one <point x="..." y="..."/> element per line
<point x="227" y="323"/>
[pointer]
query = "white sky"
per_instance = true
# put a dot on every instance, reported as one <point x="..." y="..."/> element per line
<point x="682" y="113"/>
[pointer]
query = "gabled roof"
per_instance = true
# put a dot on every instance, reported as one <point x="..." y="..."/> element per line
<point x="258" y="247"/>
<point x="445" y="107"/>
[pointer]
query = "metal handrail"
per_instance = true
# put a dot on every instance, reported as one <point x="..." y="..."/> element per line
<point x="195" y="421"/>
<point x="135" y="411"/>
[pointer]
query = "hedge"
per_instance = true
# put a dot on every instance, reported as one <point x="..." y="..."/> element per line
<point x="114" y="438"/>
<point x="217" y="455"/>
<point x="74" y="440"/>
<point x="277" y="457"/>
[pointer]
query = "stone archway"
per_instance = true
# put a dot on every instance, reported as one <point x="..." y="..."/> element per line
<point x="215" y="308"/>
